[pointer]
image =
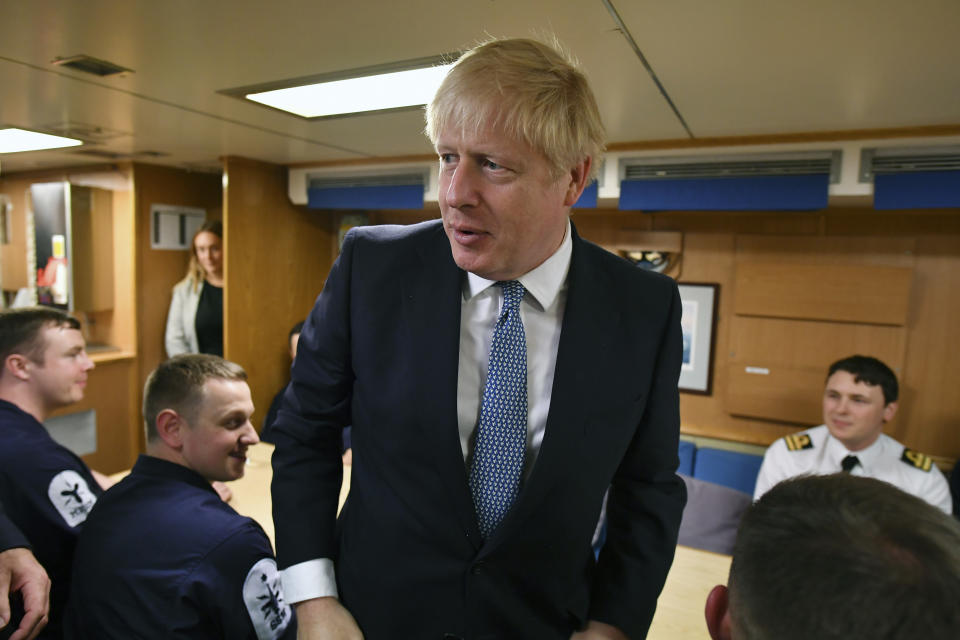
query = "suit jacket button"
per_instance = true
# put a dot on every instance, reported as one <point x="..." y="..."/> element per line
<point x="478" y="568"/>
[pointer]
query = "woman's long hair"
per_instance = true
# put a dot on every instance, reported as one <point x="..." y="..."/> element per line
<point x="195" y="273"/>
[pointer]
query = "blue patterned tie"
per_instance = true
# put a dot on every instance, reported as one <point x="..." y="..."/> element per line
<point x="501" y="436"/>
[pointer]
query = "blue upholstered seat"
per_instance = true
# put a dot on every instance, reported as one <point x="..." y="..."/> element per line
<point x="728" y="468"/>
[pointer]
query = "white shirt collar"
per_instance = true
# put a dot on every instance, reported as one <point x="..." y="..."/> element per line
<point x="543" y="283"/>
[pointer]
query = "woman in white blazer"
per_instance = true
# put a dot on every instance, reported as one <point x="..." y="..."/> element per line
<point x="195" y="319"/>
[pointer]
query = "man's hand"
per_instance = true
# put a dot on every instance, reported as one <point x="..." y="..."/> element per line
<point x="599" y="631"/>
<point x="325" y="619"/>
<point x="20" y="571"/>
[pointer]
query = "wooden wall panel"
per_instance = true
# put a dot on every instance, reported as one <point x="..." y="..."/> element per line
<point x="929" y="415"/>
<point x="159" y="269"/>
<point x="13" y="259"/>
<point x="714" y="243"/>
<point x="277" y="258"/>
<point x="843" y="293"/>
<point x="91" y="226"/>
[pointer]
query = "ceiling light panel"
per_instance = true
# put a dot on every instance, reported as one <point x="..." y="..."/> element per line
<point x="393" y="90"/>
<point x="14" y="140"/>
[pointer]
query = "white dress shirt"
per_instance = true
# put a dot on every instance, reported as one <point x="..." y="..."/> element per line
<point x="541" y="311"/>
<point x="816" y="452"/>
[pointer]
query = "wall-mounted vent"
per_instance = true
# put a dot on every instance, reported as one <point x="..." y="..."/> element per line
<point x="401" y="190"/>
<point x="91" y="65"/>
<point x="345" y="182"/>
<point x="663" y="168"/>
<point x="877" y="161"/>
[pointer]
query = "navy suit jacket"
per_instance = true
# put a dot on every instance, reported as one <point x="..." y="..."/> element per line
<point x="380" y="351"/>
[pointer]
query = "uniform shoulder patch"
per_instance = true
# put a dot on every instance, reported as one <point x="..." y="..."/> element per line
<point x="798" y="442"/>
<point x="263" y="597"/>
<point x="71" y="496"/>
<point x="917" y="459"/>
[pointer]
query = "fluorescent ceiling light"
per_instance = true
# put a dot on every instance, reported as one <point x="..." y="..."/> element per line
<point x="15" y="140"/>
<point x="393" y="90"/>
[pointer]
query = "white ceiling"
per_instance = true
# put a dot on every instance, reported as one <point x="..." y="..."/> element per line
<point x="731" y="67"/>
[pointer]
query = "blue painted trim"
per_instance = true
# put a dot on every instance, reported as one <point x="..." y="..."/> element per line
<point x="381" y="197"/>
<point x="921" y="190"/>
<point x="762" y="193"/>
<point x="588" y="199"/>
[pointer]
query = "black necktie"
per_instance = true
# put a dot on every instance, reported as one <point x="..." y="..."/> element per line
<point x="849" y="463"/>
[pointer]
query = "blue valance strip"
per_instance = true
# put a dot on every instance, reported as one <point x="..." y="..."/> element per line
<point x="920" y="190"/>
<point x="378" y="197"/>
<point x="761" y="193"/>
<point x="588" y="199"/>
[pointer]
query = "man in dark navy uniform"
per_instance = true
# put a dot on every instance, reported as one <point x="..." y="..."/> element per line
<point x="21" y="573"/>
<point x="162" y="556"/>
<point x="47" y="491"/>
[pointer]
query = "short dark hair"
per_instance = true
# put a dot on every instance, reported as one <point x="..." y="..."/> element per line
<point x="21" y="330"/>
<point x="842" y="556"/>
<point x="871" y="371"/>
<point x="178" y="384"/>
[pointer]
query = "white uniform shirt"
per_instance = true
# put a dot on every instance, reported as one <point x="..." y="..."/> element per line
<point x="816" y="452"/>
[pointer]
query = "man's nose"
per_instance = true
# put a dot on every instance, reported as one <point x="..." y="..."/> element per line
<point x="461" y="187"/>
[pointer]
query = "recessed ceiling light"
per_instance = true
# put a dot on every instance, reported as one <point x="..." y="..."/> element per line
<point x="387" y="87"/>
<point x="14" y="140"/>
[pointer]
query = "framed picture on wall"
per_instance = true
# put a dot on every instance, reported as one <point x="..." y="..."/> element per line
<point x="699" y="326"/>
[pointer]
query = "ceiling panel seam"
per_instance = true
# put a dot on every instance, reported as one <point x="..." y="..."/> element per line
<point x="612" y="10"/>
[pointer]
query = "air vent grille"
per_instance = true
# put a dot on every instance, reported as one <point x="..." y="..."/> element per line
<point x="662" y="169"/>
<point x="391" y="180"/>
<point x="875" y="161"/>
<point x="91" y="65"/>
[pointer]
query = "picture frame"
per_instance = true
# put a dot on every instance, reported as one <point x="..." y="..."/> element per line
<point x="699" y="326"/>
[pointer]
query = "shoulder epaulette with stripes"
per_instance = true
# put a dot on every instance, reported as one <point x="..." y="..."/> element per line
<point x="917" y="459"/>
<point x="798" y="442"/>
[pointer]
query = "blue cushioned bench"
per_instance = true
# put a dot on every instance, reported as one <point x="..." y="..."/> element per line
<point x="728" y="468"/>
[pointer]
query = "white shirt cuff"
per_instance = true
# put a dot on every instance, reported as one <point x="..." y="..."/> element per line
<point x="308" y="580"/>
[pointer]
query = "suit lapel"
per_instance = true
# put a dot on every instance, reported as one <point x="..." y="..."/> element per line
<point x="431" y="320"/>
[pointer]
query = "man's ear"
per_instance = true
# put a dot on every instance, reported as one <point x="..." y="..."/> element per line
<point x="889" y="411"/>
<point x="579" y="176"/>
<point x="16" y="365"/>
<point x="717" y="613"/>
<point x="170" y="426"/>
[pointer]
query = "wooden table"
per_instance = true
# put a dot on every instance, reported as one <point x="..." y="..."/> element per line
<point x="680" y="608"/>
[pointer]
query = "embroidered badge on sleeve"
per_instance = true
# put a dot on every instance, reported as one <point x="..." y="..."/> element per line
<point x="263" y="597"/>
<point x="71" y="496"/>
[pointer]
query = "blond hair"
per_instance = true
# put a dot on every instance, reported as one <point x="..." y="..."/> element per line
<point x="195" y="273"/>
<point x="528" y="90"/>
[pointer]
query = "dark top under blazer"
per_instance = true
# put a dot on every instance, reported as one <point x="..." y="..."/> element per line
<point x="380" y="351"/>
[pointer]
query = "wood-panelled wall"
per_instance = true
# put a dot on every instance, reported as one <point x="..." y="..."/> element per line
<point x="111" y="332"/>
<point x="929" y="415"/>
<point x="277" y="258"/>
<point x="159" y="269"/>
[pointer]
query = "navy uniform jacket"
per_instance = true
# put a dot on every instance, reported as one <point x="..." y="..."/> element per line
<point x="47" y="492"/>
<point x="380" y="351"/>
<point x="10" y="536"/>
<point x="162" y="556"/>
